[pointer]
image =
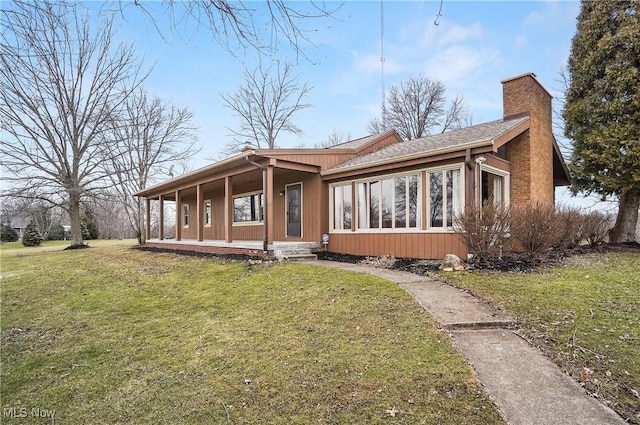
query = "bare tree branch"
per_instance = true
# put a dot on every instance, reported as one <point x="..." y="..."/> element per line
<point x="240" y="25"/>
<point x="334" y="138"/>
<point x="61" y="81"/>
<point x="416" y="107"/>
<point x="153" y="135"/>
<point x="265" y="105"/>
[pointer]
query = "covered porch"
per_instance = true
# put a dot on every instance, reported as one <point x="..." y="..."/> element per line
<point x="250" y="205"/>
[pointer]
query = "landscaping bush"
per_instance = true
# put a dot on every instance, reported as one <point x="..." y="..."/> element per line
<point x="596" y="227"/>
<point x="56" y="233"/>
<point x="8" y="233"/>
<point x="485" y="230"/>
<point x="535" y="228"/>
<point x="572" y="228"/>
<point x="31" y="236"/>
<point x="89" y="227"/>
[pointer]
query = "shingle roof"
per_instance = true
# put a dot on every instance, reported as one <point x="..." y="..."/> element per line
<point x="477" y="134"/>
<point x="355" y="144"/>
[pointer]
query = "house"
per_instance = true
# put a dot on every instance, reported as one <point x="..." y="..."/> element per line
<point x="378" y="195"/>
<point x="19" y="224"/>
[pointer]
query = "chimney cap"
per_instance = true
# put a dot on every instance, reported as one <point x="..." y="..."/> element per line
<point x="527" y="74"/>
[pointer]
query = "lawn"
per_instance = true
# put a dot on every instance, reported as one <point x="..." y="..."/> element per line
<point x="114" y="335"/>
<point x="585" y="314"/>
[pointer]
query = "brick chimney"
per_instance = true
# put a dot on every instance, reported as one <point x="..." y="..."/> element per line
<point x="531" y="153"/>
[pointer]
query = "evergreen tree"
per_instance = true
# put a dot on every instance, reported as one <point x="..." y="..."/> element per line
<point x="602" y="111"/>
<point x="31" y="236"/>
<point x="8" y="233"/>
<point x="89" y="227"/>
<point x="56" y="233"/>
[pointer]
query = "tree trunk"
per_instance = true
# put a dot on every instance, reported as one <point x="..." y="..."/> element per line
<point x="625" y="227"/>
<point x="74" y="217"/>
<point x="142" y="225"/>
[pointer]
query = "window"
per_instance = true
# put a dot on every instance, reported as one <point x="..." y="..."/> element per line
<point x="445" y="196"/>
<point x="342" y="207"/>
<point x="185" y="215"/>
<point x="207" y="213"/>
<point x="247" y="208"/>
<point x="494" y="185"/>
<point x="389" y="203"/>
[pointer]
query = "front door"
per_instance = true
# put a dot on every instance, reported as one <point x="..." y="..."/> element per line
<point x="294" y="210"/>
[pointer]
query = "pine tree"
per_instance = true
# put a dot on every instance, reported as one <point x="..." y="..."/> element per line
<point x="89" y="227"/>
<point x="31" y="236"/>
<point x="8" y="233"/>
<point x="602" y="111"/>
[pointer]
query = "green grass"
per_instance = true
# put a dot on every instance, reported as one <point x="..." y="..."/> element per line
<point x="585" y="314"/>
<point x="112" y="335"/>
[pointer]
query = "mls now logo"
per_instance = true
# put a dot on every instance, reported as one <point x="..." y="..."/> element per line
<point x="14" y="412"/>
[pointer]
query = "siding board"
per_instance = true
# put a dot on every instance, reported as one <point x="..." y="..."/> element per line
<point x="401" y="245"/>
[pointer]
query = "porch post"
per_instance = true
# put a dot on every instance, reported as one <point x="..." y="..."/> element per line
<point x="425" y="196"/>
<point x="147" y="221"/>
<point x="199" y="214"/>
<point x="268" y="218"/>
<point x="161" y="218"/>
<point x="178" y="216"/>
<point x="228" y="209"/>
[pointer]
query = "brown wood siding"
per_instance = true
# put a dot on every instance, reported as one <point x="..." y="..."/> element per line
<point x="400" y="245"/>
<point x="248" y="233"/>
<point x="499" y="163"/>
<point x="312" y="206"/>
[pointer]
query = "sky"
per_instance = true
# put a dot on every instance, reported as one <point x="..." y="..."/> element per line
<point x="470" y="47"/>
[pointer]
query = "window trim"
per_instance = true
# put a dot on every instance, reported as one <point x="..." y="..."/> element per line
<point x="208" y="203"/>
<point x="443" y="168"/>
<point x="185" y="215"/>
<point x="355" y="219"/>
<point x="260" y="208"/>
<point x="332" y="186"/>
<point x="498" y="172"/>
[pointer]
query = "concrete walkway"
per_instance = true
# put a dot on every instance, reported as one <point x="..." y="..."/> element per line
<point x="525" y="385"/>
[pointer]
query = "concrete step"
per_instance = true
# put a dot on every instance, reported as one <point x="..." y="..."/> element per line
<point x="300" y="257"/>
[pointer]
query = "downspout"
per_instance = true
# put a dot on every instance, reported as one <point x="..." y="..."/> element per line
<point x="265" y="242"/>
<point x="471" y="178"/>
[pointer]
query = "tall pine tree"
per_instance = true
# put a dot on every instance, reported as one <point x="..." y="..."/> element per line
<point x="602" y="110"/>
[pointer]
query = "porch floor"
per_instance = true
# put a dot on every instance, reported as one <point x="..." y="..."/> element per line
<point x="252" y="245"/>
<point x="278" y="249"/>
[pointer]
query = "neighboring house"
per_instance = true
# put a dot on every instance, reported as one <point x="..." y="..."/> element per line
<point x="19" y="224"/>
<point x="374" y="196"/>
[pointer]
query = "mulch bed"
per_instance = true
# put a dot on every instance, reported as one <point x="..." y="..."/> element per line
<point x="515" y="263"/>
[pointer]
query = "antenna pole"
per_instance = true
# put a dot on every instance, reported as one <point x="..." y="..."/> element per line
<point x="382" y="60"/>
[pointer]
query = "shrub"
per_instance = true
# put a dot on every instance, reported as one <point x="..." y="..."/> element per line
<point x="56" y="233"/>
<point x="89" y="227"/>
<point x="571" y="228"/>
<point x="535" y="228"/>
<point x="596" y="227"/>
<point x="31" y="236"/>
<point x="485" y="230"/>
<point x="8" y="233"/>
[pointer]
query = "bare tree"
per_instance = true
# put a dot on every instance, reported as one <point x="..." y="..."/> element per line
<point x="61" y="81"/>
<point x="265" y="105"/>
<point x="111" y="217"/>
<point x="417" y="106"/>
<point x="154" y="136"/>
<point x="262" y="26"/>
<point x="334" y="138"/>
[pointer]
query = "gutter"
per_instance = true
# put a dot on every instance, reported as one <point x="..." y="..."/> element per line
<point x="185" y="177"/>
<point x="406" y="157"/>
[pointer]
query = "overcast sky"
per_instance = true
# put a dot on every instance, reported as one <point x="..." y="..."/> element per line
<point x="474" y="46"/>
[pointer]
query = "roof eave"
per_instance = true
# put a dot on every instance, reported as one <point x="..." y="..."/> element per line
<point x="461" y="148"/>
<point x="193" y="174"/>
